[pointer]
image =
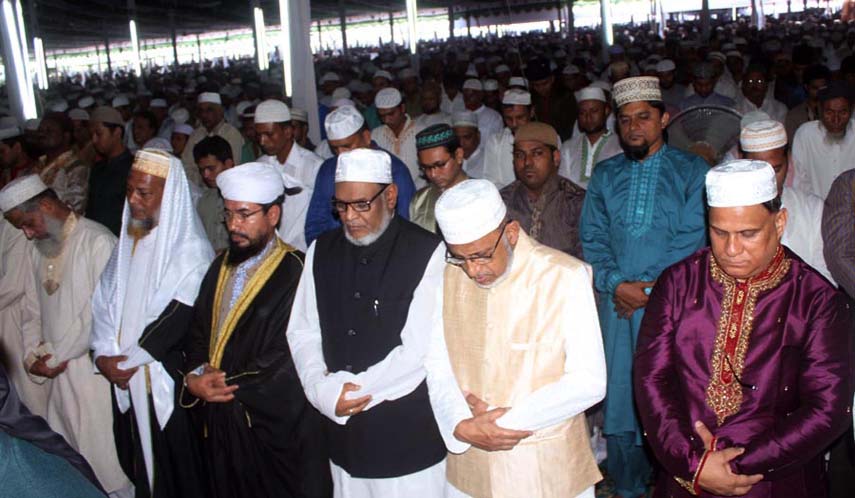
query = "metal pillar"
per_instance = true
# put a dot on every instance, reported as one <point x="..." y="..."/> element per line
<point x="199" y="48"/>
<point x="174" y="37"/>
<point x="606" y="26"/>
<point x="468" y="24"/>
<point x="392" y="26"/>
<point x="342" y="16"/>
<point x="412" y="25"/>
<point x="705" y="19"/>
<point x="450" y="22"/>
<point x="21" y="101"/>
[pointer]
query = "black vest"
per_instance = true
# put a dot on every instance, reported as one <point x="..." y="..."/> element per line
<point x="363" y="297"/>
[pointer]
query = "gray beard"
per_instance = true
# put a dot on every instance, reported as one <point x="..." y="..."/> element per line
<point x="139" y="229"/>
<point x="510" y="265"/>
<point x="371" y="238"/>
<point x="831" y="139"/>
<point x="52" y="246"/>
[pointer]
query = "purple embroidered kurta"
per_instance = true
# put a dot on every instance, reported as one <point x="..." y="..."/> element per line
<point x="797" y="356"/>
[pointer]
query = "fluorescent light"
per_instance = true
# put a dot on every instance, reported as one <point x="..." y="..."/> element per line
<point x="285" y="43"/>
<point x="135" y="45"/>
<point x="11" y="38"/>
<point x="22" y="35"/>
<point x="412" y="20"/>
<point x="260" y="39"/>
<point x="41" y="66"/>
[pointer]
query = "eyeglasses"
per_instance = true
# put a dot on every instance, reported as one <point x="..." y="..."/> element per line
<point x="240" y="215"/>
<point x="428" y="167"/>
<point x="358" y="206"/>
<point x="475" y="260"/>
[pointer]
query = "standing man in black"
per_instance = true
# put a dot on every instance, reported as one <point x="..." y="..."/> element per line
<point x="369" y="300"/>
<point x="109" y="175"/>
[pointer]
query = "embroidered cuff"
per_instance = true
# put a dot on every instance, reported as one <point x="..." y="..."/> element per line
<point x="692" y="486"/>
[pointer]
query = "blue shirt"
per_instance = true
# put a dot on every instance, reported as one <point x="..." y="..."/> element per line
<point x="320" y="219"/>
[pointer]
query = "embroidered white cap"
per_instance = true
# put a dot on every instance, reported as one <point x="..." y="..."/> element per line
<point x="469" y="210"/>
<point x="761" y="136"/>
<point x="387" y="98"/>
<point x="465" y="119"/>
<point x="272" y="111"/>
<point x="343" y="122"/>
<point x="209" y="98"/>
<point x="742" y="182"/>
<point x="259" y="183"/>
<point x="591" y="93"/>
<point x="638" y="89"/>
<point x="364" y="166"/>
<point x="19" y="191"/>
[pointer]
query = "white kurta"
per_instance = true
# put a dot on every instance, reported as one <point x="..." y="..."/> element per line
<point x="396" y="375"/>
<point x="776" y="110"/>
<point x="816" y="163"/>
<point x="79" y="406"/>
<point x="474" y="166"/>
<point x="499" y="158"/>
<point x="490" y="121"/>
<point x="19" y="316"/>
<point x="582" y="385"/>
<point x="300" y="170"/>
<point x="403" y="146"/>
<point x="803" y="233"/>
<point x="579" y="167"/>
<point x="450" y="106"/>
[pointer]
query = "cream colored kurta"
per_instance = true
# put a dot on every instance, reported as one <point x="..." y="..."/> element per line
<point x="228" y="132"/>
<point x="816" y="163"/>
<point x="18" y="320"/>
<point x="532" y="343"/>
<point x="78" y="406"/>
<point x="578" y="166"/>
<point x="403" y="146"/>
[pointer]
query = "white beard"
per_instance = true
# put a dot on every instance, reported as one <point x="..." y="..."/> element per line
<point x="52" y="246"/>
<point x="371" y="238"/>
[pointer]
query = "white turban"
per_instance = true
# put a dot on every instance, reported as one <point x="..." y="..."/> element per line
<point x="387" y="98"/>
<point x="258" y="183"/>
<point x="343" y="122"/>
<point x="20" y="190"/>
<point x="364" y="166"/>
<point x="272" y="111"/>
<point x="469" y="210"/>
<point x="761" y="136"/>
<point x="209" y="98"/>
<point x="742" y="182"/>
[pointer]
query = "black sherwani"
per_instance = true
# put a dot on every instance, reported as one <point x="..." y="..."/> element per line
<point x="268" y="441"/>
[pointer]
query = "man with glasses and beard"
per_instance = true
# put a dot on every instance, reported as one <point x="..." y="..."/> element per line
<point x="67" y="254"/>
<point x="518" y="358"/>
<point x="366" y="307"/>
<point x="260" y="436"/>
<point x="142" y="308"/>
<point x="643" y="212"/>
<point x="824" y="148"/>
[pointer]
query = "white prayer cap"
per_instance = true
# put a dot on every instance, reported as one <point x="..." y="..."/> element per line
<point x="465" y="119"/>
<point x="158" y="103"/>
<point x="518" y="81"/>
<point x="717" y="56"/>
<point x="502" y="68"/>
<point x="78" y="115"/>
<point x="341" y="92"/>
<point x="471" y="71"/>
<point x="638" y="89"/>
<point x="343" y="122"/>
<point x="183" y="129"/>
<point x="20" y="190"/>
<point x="159" y="144"/>
<point x="473" y="84"/>
<point x="516" y="97"/>
<point x="761" y="136"/>
<point x="10" y="132"/>
<point x="735" y="53"/>
<point x="570" y="70"/>
<point x="259" y="183"/>
<point x="665" y="65"/>
<point x="742" y="182"/>
<point x="469" y="210"/>
<point x="209" y="98"/>
<point x="382" y="74"/>
<point x="591" y="93"/>
<point x="85" y="102"/>
<point x="491" y="85"/>
<point x="387" y="98"/>
<point x="119" y="101"/>
<point x="299" y="115"/>
<point x="59" y="106"/>
<point x="329" y="77"/>
<point x="180" y="115"/>
<point x="242" y="106"/>
<point x="341" y="103"/>
<point x="272" y="111"/>
<point x="364" y="166"/>
<point x="32" y="124"/>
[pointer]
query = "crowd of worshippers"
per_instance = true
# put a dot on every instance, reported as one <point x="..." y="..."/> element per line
<point x="492" y="277"/>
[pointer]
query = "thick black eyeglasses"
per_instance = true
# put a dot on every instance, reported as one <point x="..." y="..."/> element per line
<point x="358" y="206"/>
<point x="475" y="260"/>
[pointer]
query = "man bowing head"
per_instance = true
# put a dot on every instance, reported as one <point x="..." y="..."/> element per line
<point x="261" y="437"/>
